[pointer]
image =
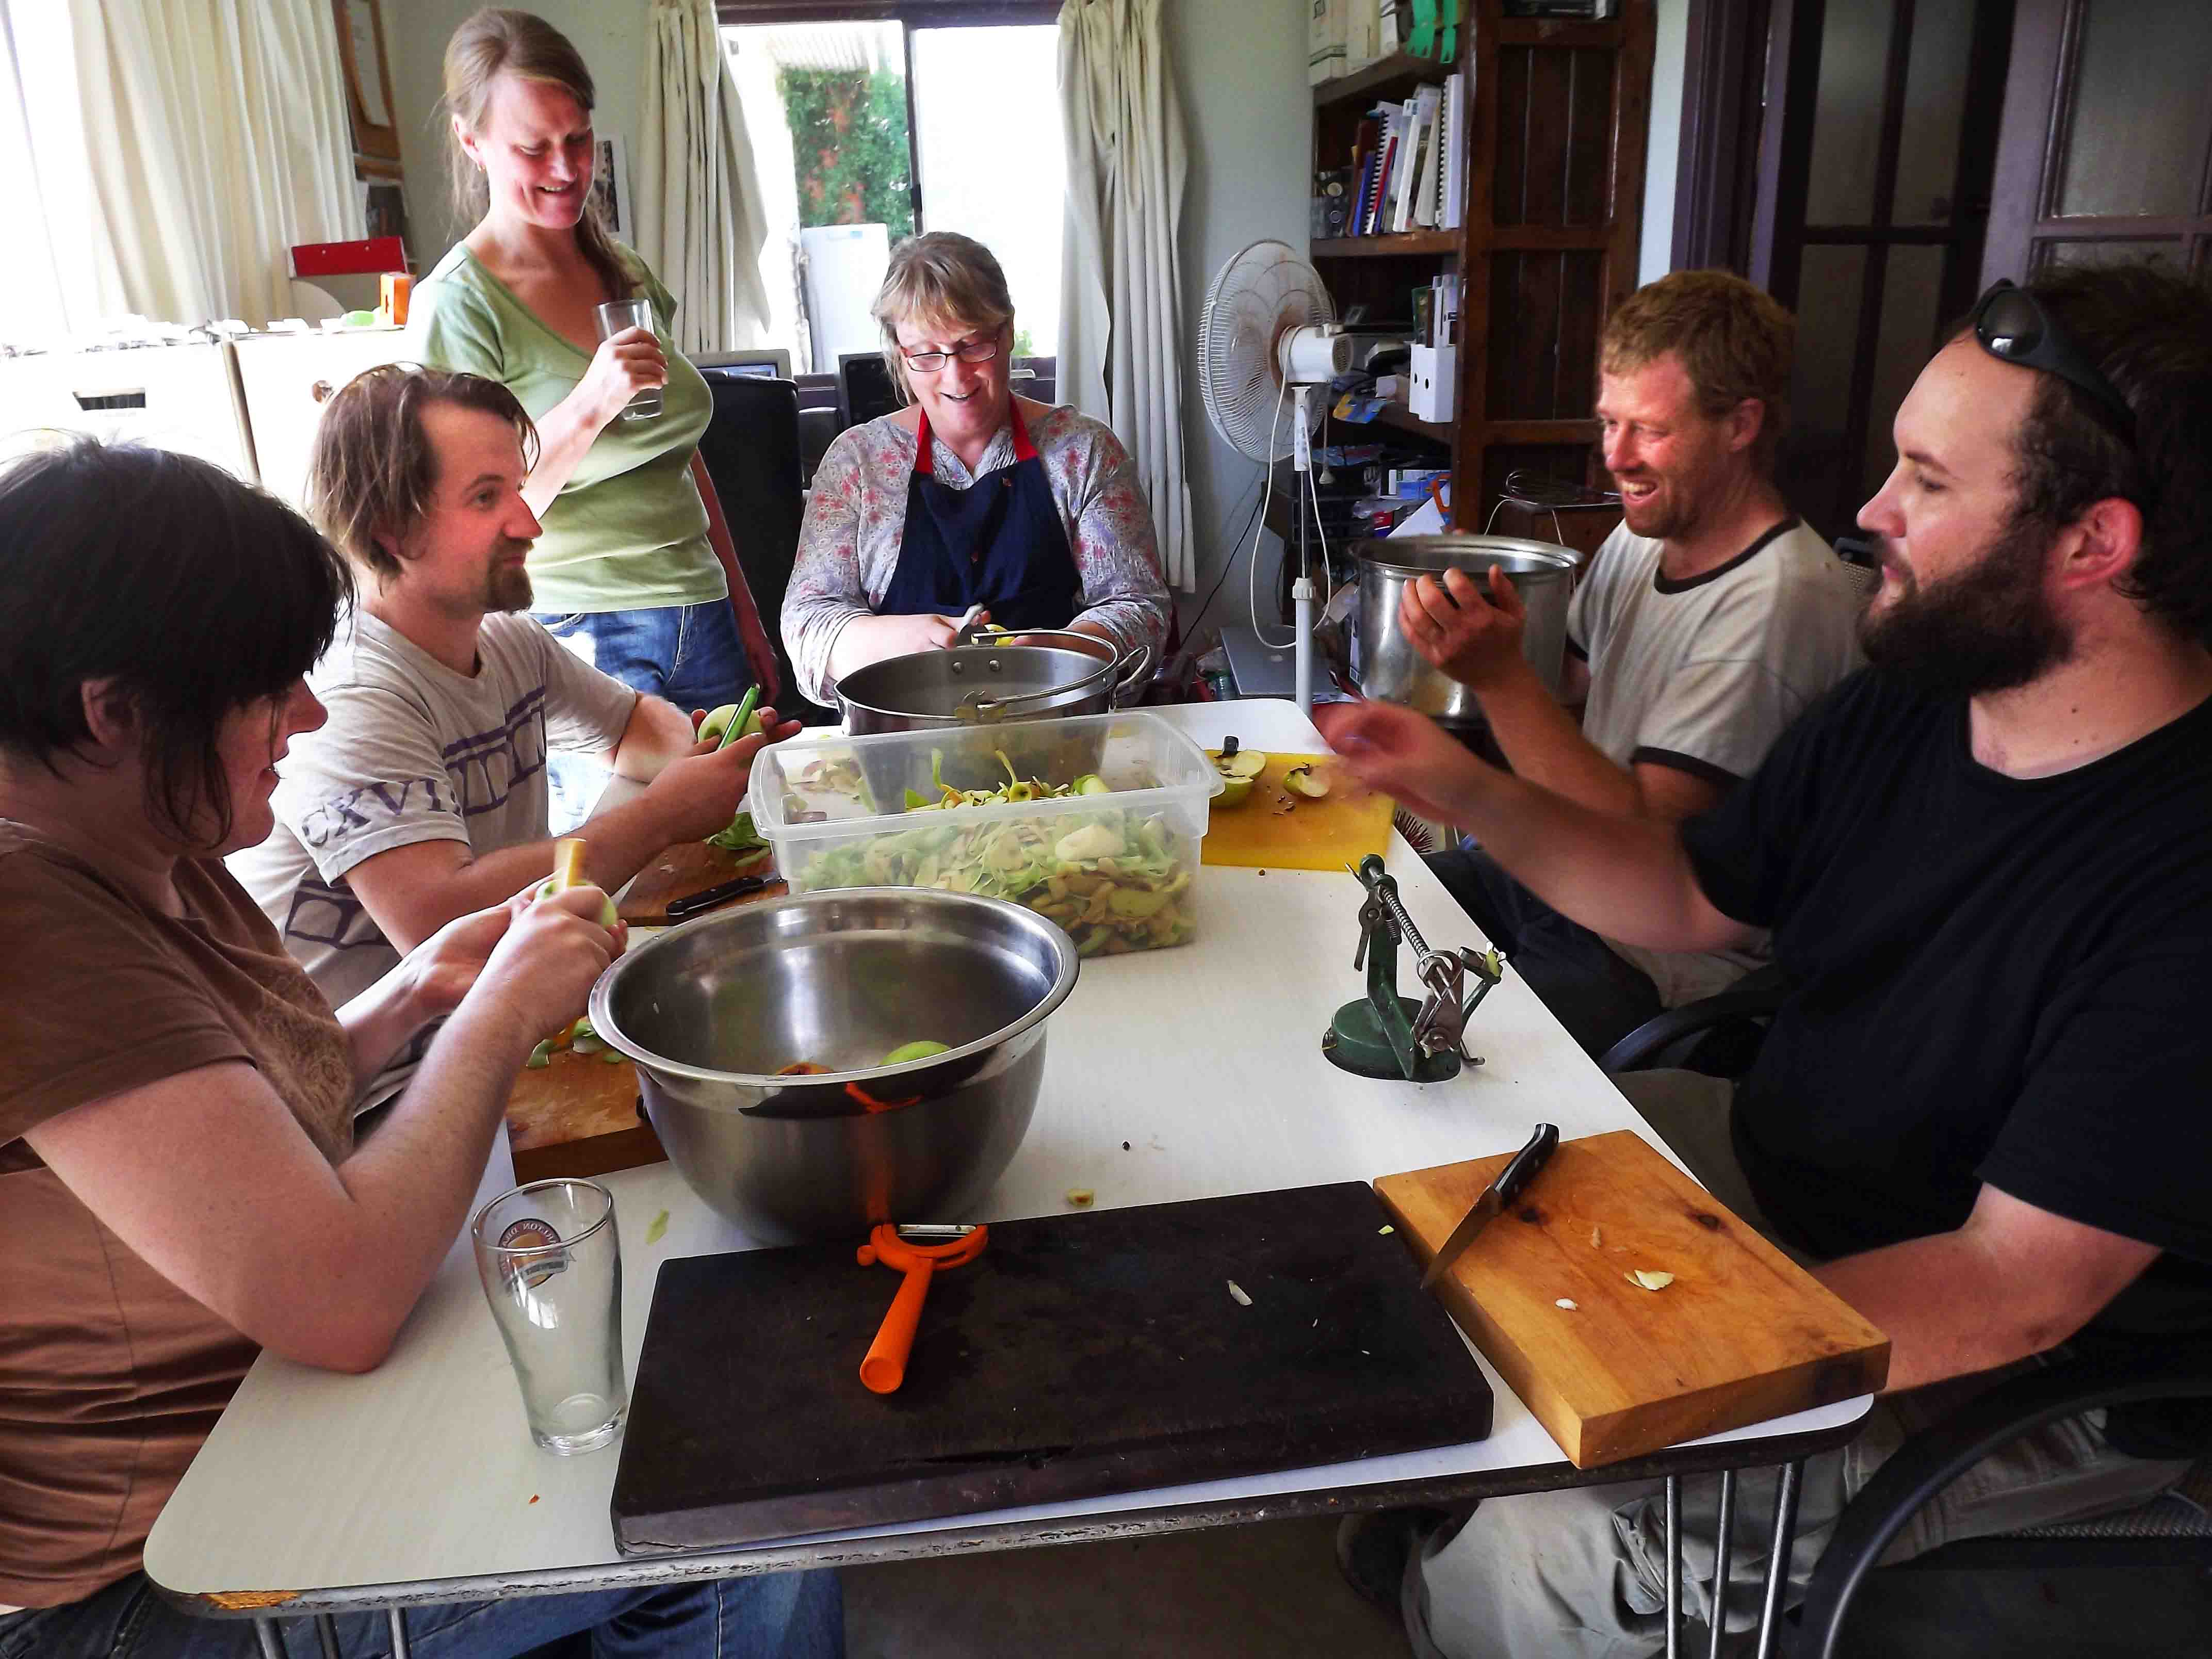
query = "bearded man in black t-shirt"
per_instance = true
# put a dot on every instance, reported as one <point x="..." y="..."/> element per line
<point x="1986" y="1110"/>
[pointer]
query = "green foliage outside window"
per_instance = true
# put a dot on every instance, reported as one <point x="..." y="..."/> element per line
<point x="849" y="145"/>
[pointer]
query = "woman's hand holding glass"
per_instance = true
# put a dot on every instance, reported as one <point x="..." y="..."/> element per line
<point x="624" y="365"/>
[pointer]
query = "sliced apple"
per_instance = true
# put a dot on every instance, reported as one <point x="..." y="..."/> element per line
<point x="1304" y="780"/>
<point x="1234" y="763"/>
<point x="1235" y="792"/>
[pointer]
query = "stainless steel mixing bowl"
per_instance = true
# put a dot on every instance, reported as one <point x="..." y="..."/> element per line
<point x="711" y="1010"/>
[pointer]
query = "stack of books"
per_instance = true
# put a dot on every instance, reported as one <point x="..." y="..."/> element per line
<point x="1409" y="164"/>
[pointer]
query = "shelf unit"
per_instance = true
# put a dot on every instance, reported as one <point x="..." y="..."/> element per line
<point x="1558" y="116"/>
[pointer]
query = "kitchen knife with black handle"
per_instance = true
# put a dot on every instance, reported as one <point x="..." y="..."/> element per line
<point x="1512" y="1180"/>
<point x="707" y="898"/>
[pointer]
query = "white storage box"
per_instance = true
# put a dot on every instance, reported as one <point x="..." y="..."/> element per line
<point x="1119" y="870"/>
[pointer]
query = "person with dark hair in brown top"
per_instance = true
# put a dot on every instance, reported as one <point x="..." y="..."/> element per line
<point x="179" y="1186"/>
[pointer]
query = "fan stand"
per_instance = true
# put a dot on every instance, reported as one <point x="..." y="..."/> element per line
<point x="1302" y="589"/>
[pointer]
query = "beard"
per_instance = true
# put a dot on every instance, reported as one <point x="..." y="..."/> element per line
<point x="1989" y="627"/>
<point x="507" y="587"/>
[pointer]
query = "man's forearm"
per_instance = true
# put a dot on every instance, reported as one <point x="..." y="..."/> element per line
<point x="1546" y="746"/>
<point x="1948" y="1307"/>
<point x="1625" y="876"/>
<point x="658" y="732"/>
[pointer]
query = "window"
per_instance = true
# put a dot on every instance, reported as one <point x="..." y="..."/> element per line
<point x="867" y="129"/>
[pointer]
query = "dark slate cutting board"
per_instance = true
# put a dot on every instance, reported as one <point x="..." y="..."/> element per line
<point x="1085" y="1354"/>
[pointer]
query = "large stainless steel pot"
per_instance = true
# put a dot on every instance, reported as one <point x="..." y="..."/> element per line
<point x="711" y="1010"/>
<point x="1542" y="573"/>
<point x="972" y="683"/>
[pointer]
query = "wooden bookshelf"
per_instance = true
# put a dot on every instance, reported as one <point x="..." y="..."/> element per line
<point x="1556" y="121"/>
<point x="1399" y="244"/>
<point x="1391" y="77"/>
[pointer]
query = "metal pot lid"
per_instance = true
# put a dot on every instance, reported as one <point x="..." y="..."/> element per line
<point x="1420" y="555"/>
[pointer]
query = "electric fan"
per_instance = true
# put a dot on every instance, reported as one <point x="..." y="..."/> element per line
<point x="1268" y="336"/>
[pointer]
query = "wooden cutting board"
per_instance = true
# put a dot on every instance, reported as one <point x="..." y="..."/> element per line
<point x="577" y="1116"/>
<point x="1742" y="1334"/>
<point x="1327" y="834"/>
<point x="1085" y="1352"/>
<point x="688" y="867"/>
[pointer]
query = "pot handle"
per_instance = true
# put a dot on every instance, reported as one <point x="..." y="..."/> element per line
<point x="1135" y="679"/>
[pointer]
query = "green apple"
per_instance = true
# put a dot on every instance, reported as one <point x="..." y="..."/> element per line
<point x="920" y="1050"/>
<point x="569" y="872"/>
<point x="1304" y="780"/>
<point x="711" y="728"/>
<point x="1235" y="792"/>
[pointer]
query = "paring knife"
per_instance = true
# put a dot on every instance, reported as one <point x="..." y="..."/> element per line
<point x="707" y="898"/>
<point x="1512" y="1180"/>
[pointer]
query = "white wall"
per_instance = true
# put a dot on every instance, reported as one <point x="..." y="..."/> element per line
<point x="1667" y="60"/>
<point x="611" y="33"/>
<point x="1240" y="69"/>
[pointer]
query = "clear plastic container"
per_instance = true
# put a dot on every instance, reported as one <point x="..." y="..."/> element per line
<point x="1119" y="870"/>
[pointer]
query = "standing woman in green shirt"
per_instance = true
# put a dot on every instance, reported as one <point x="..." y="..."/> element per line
<point x="624" y="573"/>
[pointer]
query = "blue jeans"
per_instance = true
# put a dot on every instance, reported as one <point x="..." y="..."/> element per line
<point x="691" y="654"/>
<point x="785" y="1615"/>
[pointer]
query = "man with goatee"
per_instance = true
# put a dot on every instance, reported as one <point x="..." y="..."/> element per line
<point x="424" y="795"/>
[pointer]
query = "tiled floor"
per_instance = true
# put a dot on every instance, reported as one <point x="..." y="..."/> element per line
<point x="1267" y="1591"/>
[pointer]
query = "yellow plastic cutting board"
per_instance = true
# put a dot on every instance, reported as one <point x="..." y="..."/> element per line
<point x="1339" y="829"/>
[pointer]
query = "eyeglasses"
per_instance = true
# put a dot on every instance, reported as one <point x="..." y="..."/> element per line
<point x="971" y="351"/>
<point x="2011" y="323"/>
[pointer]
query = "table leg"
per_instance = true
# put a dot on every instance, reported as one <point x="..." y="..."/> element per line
<point x="1674" y="1566"/>
<point x="1778" y="1560"/>
<point x="399" y="1617"/>
<point x="1720" y="1560"/>
<point x="326" y="1631"/>
<point x="273" y="1645"/>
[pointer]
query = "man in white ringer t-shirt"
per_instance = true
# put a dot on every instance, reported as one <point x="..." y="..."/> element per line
<point x="1704" y="625"/>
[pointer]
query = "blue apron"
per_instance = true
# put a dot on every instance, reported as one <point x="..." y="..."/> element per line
<point x="998" y="543"/>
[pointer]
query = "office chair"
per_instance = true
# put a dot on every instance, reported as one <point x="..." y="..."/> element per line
<point x="751" y="450"/>
<point x="2174" y="1529"/>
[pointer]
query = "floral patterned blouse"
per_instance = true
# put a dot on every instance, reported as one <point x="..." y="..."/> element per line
<point x="849" y="546"/>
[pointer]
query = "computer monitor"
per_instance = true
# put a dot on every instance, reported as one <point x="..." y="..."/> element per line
<point x="766" y="365"/>
<point x="865" y="390"/>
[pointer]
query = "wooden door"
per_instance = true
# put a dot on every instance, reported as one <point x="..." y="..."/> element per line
<point x="2105" y="151"/>
<point x="1871" y="210"/>
<point x="1559" y="113"/>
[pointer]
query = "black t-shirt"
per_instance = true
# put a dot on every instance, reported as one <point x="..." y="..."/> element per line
<point x="1995" y="979"/>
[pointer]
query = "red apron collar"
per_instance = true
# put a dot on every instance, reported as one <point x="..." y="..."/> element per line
<point x="924" y="462"/>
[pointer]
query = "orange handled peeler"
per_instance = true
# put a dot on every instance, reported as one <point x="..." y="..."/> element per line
<point x="884" y="1368"/>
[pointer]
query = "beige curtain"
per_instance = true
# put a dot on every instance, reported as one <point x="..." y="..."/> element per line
<point x="700" y="220"/>
<point x="216" y="137"/>
<point x="1120" y="330"/>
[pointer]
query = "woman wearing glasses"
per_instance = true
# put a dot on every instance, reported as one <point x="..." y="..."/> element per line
<point x="968" y="496"/>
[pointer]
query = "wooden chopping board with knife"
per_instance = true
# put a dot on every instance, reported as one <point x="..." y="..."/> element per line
<point x="578" y="1115"/>
<point x="1625" y="1306"/>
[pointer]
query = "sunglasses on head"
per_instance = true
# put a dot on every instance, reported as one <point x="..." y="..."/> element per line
<point x="2011" y="323"/>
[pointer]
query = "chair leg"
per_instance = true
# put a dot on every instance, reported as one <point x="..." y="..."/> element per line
<point x="1778" y="1561"/>
<point x="1674" y="1566"/>
<point x="1720" y="1560"/>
